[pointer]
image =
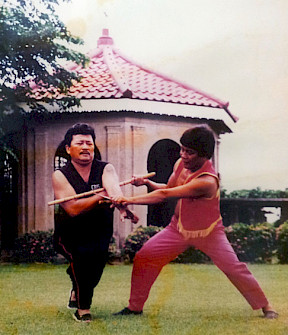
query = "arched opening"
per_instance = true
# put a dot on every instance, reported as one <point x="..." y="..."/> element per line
<point x="161" y="159"/>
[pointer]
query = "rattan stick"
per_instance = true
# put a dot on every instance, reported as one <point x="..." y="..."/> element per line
<point x="85" y="194"/>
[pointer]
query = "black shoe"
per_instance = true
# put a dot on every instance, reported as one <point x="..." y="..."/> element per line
<point x="127" y="311"/>
<point x="72" y="303"/>
<point x="84" y="318"/>
<point x="270" y="315"/>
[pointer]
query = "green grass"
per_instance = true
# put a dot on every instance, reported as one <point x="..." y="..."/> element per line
<point x="186" y="299"/>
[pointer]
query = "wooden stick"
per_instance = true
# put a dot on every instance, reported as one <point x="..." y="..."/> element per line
<point x="85" y="194"/>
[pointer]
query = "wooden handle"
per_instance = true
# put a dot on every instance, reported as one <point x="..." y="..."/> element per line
<point x="85" y="194"/>
<point x="148" y="175"/>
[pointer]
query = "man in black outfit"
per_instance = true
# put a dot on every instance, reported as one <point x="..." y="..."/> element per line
<point x="84" y="226"/>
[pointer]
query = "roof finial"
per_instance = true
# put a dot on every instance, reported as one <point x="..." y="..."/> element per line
<point x="105" y="39"/>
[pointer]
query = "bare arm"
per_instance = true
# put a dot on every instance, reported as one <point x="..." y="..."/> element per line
<point x="62" y="189"/>
<point x="111" y="184"/>
<point x="204" y="186"/>
<point x="110" y="181"/>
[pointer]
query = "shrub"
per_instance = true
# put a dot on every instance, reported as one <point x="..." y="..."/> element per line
<point x="253" y="243"/>
<point x="192" y="255"/>
<point x="136" y="239"/>
<point x="282" y="243"/>
<point x="36" y="246"/>
<point x="112" y="251"/>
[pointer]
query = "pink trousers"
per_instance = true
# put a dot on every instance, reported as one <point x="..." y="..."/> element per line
<point x="169" y="243"/>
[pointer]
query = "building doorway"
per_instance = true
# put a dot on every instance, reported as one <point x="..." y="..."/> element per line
<point x="161" y="159"/>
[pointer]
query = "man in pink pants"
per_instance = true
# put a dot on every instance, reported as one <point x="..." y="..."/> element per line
<point x="196" y="222"/>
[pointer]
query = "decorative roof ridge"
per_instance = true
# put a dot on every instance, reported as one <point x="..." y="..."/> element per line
<point x="105" y="39"/>
<point x="223" y="104"/>
<point x="165" y="77"/>
<point x="105" y="47"/>
<point x="233" y="117"/>
<point x="115" y="69"/>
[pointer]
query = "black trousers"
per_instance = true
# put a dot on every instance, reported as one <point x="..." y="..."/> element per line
<point x="87" y="261"/>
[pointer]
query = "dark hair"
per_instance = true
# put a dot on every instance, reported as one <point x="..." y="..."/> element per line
<point x="201" y="139"/>
<point x="79" y="129"/>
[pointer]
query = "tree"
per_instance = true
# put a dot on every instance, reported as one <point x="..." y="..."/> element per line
<point x="255" y="193"/>
<point x="34" y="45"/>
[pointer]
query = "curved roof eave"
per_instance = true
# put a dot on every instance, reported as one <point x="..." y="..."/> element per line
<point x="153" y="108"/>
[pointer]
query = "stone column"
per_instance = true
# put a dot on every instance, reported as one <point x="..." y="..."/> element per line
<point x="42" y="182"/>
<point x="113" y="146"/>
<point x="30" y="175"/>
<point x="139" y="167"/>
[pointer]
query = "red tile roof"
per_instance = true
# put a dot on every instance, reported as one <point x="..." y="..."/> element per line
<point x="112" y="75"/>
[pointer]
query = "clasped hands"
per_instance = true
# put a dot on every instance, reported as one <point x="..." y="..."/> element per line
<point x="122" y="202"/>
<point x="125" y="201"/>
<point x="125" y="213"/>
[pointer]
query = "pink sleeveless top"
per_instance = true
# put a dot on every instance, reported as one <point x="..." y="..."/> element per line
<point x="199" y="216"/>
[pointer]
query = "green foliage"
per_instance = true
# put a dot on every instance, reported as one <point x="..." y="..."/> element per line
<point x="36" y="246"/>
<point x="192" y="255"/>
<point x="282" y="243"/>
<point x="34" y="44"/>
<point x="255" y="193"/>
<point x="253" y="243"/>
<point x="136" y="239"/>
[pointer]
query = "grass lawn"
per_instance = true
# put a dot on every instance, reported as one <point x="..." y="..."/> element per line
<point x="185" y="299"/>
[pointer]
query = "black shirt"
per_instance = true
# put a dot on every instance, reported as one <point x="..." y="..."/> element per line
<point x="92" y="225"/>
